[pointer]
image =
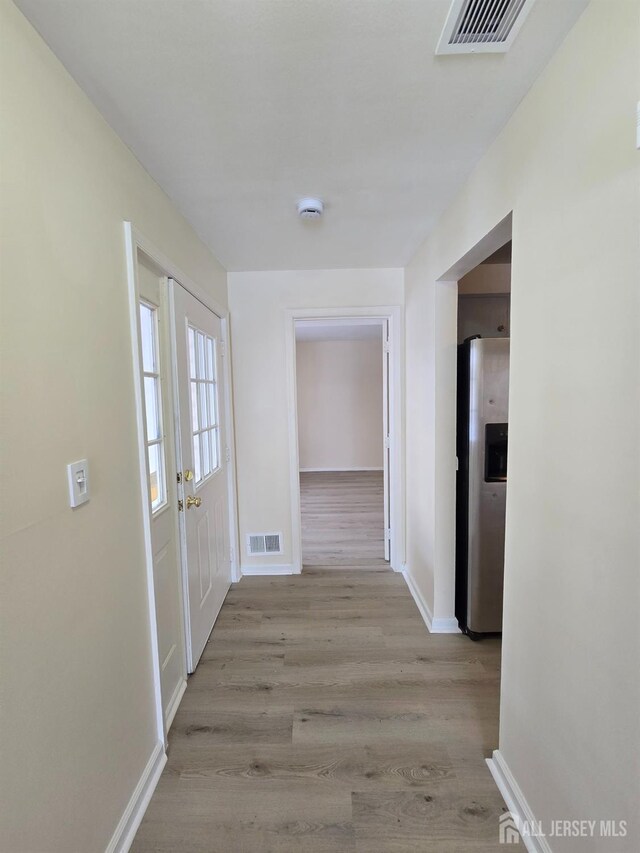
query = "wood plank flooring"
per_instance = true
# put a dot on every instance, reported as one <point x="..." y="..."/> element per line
<point x="324" y="718"/>
<point x="342" y="519"/>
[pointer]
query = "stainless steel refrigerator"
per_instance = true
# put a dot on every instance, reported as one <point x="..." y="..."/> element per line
<point x="481" y="482"/>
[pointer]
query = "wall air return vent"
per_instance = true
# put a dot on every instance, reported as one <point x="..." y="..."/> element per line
<point x="264" y="543"/>
<point x="483" y="26"/>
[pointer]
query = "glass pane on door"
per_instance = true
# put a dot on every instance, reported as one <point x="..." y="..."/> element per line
<point x="152" y="389"/>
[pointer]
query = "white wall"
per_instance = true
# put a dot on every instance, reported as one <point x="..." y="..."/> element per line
<point x="340" y="400"/>
<point x="77" y="707"/>
<point x="567" y="167"/>
<point x="258" y="302"/>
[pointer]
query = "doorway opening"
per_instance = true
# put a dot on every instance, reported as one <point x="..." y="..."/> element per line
<point x="342" y="410"/>
<point x="482" y="429"/>
<point x="344" y="377"/>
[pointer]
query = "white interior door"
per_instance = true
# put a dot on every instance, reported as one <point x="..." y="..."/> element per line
<point x="154" y="335"/>
<point x="386" y="412"/>
<point x="203" y="458"/>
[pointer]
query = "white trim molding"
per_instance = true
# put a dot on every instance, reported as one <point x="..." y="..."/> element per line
<point x="174" y="704"/>
<point x="132" y="243"/>
<point x="434" y="626"/>
<point x="287" y="569"/>
<point x="445" y="625"/>
<point x="125" y="832"/>
<point x="516" y="802"/>
<point x="137" y="238"/>
<point x="444" y="402"/>
<point x="394" y="315"/>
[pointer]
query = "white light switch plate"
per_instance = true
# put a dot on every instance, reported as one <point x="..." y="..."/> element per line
<point x="78" y="477"/>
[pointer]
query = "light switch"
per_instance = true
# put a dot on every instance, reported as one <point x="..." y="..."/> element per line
<point x="78" y="476"/>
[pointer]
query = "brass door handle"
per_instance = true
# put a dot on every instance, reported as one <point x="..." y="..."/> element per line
<point x="192" y="501"/>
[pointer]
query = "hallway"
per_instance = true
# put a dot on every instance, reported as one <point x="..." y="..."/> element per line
<point x="324" y="717"/>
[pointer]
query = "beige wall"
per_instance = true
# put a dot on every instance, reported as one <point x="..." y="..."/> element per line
<point x="488" y="316"/>
<point x="258" y="302"/>
<point x="77" y="716"/>
<point x="486" y="278"/>
<point x="77" y="706"/>
<point x="340" y="398"/>
<point x="566" y="165"/>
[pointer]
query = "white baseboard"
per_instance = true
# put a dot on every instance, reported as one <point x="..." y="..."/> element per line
<point x="445" y="626"/>
<point x="335" y="470"/>
<point x="287" y="569"/>
<point x="122" y="838"/>
<point x="175" y="703"/>
<point x="516" y="802"/>
<point x="434" y="626"/>
<point x="423" y="607"/>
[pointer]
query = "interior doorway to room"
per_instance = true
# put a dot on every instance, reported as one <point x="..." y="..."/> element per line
<point x="343" y="427"/>
<point x="484" y="325"/>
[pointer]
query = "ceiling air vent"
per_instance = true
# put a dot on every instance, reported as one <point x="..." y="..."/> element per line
<point x="264" y="543"/>
<point x="482" y="26"/>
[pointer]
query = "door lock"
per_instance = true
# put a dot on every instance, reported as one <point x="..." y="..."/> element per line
<point x="188" y="475"/>
<point x="193" y="501"/>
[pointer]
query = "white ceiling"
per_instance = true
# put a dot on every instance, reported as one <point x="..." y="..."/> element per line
<point x="239" y="107"/>
<point x="338" y="330"/>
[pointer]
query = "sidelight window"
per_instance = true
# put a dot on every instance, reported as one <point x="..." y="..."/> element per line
<point x="154" y="434"/>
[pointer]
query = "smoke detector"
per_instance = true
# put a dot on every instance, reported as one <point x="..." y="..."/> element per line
<point x="310" y="208"/>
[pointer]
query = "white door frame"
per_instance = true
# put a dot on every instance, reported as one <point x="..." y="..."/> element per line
<point x="136" y="241"/>
<point x="394" y="315"/>
<point x="444" y="574"/>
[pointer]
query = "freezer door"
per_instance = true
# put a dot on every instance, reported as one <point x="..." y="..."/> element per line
<point x="489" y="404"/>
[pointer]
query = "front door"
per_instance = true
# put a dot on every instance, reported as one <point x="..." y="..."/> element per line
<point x="203" y="466"/>
<point x="155" y="365"/>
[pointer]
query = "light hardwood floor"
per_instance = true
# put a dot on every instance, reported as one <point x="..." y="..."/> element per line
<point x="342" y="519"/>
<point x="324" y="718"/>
